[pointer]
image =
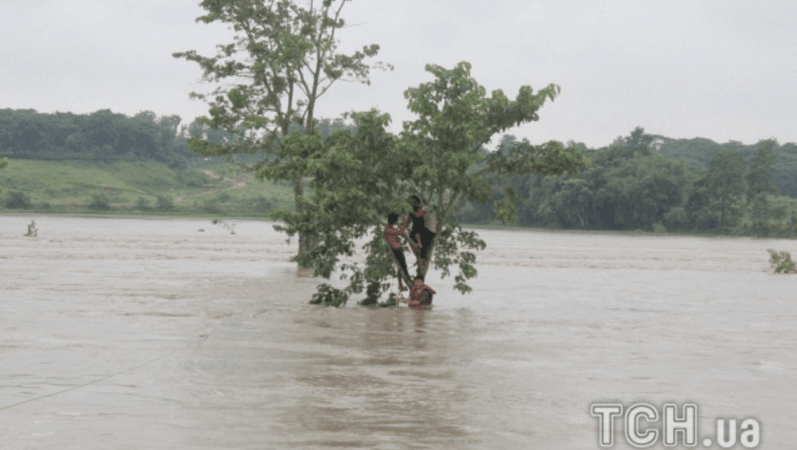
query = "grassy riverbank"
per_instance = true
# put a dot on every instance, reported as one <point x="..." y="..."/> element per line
<point x="137" y="188"/>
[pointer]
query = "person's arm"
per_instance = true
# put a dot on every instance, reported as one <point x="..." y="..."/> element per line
<point x="403" y="231"/>
<point x="404" y="225"/>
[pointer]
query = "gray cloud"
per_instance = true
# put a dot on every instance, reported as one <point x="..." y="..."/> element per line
<point x="716" y="69"/>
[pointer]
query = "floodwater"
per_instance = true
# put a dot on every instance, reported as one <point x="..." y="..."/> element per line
<point x="149" y="334"/>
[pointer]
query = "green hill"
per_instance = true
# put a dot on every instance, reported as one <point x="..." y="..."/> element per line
<point x="122" y="187"/>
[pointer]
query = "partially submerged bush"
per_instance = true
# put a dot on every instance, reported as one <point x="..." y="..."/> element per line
<point x="329" y="296"/>
<point x="781" y="262"/>
<point x="221" y="223"/>
<point x="372" y="297"/>
<point x="32" y="230"/>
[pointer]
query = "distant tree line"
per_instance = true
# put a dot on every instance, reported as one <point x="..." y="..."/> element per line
<point x="698" y="152"/>
<point x="634" y="185"/>
<point x="639" y="182"/>
<point x="104" y="136"/>
<point x="101" y="136"/>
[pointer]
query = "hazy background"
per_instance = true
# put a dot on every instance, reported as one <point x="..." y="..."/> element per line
<point x="715" y="69"/>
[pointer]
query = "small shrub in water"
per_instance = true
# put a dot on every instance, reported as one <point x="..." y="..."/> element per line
<point x="224" y="224"/>
<point x="329" y="296"/>
<point x="372" y="297"/>
<point x="392" y="300"/>
<point x="32" y="230"/>
<point x="781" y="262"/>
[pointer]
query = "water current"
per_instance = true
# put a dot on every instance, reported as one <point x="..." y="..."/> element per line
<point x="151" y="334"/>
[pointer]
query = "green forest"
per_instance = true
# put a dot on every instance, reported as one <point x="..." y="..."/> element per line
<point x="646" y="182"/>
<point x="102" y="136"/>
<point x="106" y="162"/>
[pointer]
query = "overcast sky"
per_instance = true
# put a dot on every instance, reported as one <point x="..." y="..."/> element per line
<point x="723" y="70"/>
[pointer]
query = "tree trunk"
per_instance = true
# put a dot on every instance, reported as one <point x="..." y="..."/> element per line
<point x="305" y="241"/>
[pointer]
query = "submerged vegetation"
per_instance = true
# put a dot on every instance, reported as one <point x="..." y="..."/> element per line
<point x="32" y="230"/>
<point x="781" y="262"/>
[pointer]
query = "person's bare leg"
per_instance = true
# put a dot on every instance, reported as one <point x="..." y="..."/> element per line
<point x="414" y="249"/>
<point x="421" y="266"/>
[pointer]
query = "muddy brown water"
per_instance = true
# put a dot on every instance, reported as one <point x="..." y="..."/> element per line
<point x="146" y="333"/>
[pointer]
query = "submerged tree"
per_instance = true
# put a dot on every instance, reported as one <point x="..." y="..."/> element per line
<point x="283" y="59"/>
<point x="359" y="178"/>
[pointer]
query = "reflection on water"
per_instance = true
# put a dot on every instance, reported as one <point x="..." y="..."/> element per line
<point x="173" y="338"/>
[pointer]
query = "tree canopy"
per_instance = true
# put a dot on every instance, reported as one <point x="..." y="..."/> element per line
<point x="632" y="186"/>
<point x="759" y="175"/>
<point x="725" y="183"/>
<point x="283" y="58"/>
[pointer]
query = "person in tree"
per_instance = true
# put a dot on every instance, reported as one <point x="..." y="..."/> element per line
<point x="421" y="234"/>
<point x="392" y="236"/>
